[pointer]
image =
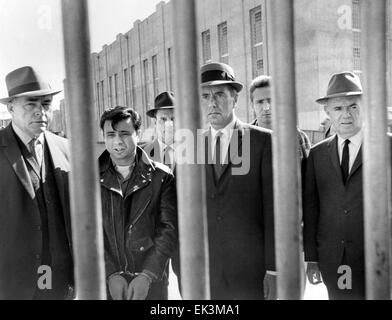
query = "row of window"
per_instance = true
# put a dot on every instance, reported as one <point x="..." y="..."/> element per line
<point x="129" y="76"/>
<point x="256" y="33"/>
<point x="258" y="60"/>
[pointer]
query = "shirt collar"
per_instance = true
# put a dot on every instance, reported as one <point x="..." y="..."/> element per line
<point x="25" y="137"/>
<point x="226" y="131"/>
<point x="163" y="145"/>
<point x="355" y="139"/>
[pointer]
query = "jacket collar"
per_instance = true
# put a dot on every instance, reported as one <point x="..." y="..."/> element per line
<point x="140" y="177"/>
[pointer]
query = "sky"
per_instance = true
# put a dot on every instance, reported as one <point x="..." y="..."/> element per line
<point x="31" y="34"/>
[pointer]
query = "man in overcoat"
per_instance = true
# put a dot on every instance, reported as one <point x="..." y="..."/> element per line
<point x="35" y="233"/>
<point x="239" y="193"/>
<point x="333" y="197"/>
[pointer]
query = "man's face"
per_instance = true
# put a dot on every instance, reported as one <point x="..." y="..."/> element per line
<point x="345" y="114"/>
<point x="262" y="105"/>
<point x="164" y="124"/>
<point x="121" y="141"/>
<point x="31" y="114"/>
<point x="218" y="103"/>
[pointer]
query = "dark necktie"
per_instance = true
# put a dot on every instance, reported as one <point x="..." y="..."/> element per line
<point x="36" y="150"/>
<point x="217" y="163"/>
<point x="167" y="157"/>
<point x="345" y="161"/>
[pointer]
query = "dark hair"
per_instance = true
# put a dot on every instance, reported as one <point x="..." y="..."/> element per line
<point x="119" y="113"/>
<point x="259" y="82"/>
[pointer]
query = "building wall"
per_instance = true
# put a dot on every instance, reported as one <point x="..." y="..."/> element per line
<point x="323" y="40"/>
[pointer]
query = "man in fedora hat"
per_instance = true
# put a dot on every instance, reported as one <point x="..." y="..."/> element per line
<point x="239" y="205"/>
<point x="332" y="203"/>
<point x="35" y="238"/>
<point x="162" y="148"/>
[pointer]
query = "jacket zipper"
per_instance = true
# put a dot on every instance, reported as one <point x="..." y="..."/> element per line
<point x="139" y="215"/>
<point x="115" y="233"/>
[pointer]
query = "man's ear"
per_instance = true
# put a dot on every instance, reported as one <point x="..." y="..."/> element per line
<point x="10" y="107"/>
<point x="326" y="110"/>
<point x="235" y="99"/>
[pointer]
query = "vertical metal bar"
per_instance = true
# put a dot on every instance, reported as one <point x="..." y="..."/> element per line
<point x="190" y="177"/>
<point x="376" y="159"/>
<point x="285" y="153"/>
<point x="84" y="186"/>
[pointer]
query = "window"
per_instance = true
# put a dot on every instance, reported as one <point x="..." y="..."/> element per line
<point x="356" y="22"/>
<point x="133" y="83"/>
<point x="146" y="82"/>
<point x="223" y="43"/>
<point x="257" y="41"/>
<point x="170" y="58"/>
<point x="111" y="91"/>
<point x="155" y="76"/>
<point x="103" y="96"/>
<point x="127" y="88"/>
<point x="115" y="89"/>
<point x="206" y="45"/>
<point x="98" y="99"/>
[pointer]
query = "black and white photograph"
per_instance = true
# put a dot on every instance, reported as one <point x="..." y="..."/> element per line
<point x="214" y="151"/>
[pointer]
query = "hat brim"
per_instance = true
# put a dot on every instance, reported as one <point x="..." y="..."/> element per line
<point x="323" y="100"/>
<point x="237" y="85"/>
<point x="151" y="113"/>
<point x="36" y="93"/>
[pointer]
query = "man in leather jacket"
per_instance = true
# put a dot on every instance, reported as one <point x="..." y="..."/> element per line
<point x="139" y="209"/>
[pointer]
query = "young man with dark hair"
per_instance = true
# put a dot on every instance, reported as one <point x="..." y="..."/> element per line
<point x="139" y="210"/>
<point x="260" y="95"/>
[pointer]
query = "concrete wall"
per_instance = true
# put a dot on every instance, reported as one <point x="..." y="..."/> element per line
<point x="324" y="45"/>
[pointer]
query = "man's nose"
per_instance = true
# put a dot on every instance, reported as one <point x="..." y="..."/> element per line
<point x="347" y="112"/>
<point x="117" y="139"/>
<point x="40" y="109"/>
<point x="267" y="106"/>
<point x="169" y="123"/>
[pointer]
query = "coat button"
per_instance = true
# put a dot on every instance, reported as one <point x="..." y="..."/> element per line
<point x="213" y="196"/>
<point x="219" y="218"/>
<point x="38" y="256"/>
<point x="346" y="211"/>
<point x="343" y="242"/>
<point x="141" y="249"/>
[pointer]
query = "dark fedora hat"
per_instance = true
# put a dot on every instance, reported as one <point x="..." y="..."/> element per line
<point x="342" y="84"/>
<point x="164" y="100"/>
<point x="217" y="73"/>
<point x="26" y="81"/>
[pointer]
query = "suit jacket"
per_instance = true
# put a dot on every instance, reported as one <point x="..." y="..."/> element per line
<point x="240" y="217"/>
<point x="20" y="234"/>
<point x="333" y="212"/>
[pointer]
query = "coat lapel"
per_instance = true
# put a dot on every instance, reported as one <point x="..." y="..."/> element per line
<point x="357" y="163"/>
<point x="14" y="156"/>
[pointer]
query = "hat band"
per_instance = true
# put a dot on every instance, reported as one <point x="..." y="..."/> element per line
<point x="32" y="86"/>
<point x="216" y="75"/>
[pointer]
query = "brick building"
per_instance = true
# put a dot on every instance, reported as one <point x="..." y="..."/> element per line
<point x="139" y="64"/>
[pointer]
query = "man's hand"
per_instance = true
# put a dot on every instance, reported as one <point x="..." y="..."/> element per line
<point x="313" y="273"/>
<point x="270" y="287"/>
<point x="118" y="286"/>
<point x="138" y="288"/>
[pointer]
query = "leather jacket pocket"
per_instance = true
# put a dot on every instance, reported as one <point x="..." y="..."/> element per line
<point x="140" y="245"/>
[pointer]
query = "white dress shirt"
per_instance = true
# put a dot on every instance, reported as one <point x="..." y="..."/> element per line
<point x="226" y="134"/>
<point x="162" y="150"/>
<point x="26" y="139"/>
<point x="353" y="148"/>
